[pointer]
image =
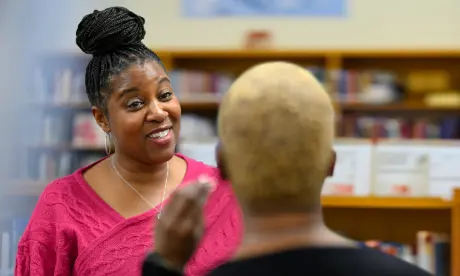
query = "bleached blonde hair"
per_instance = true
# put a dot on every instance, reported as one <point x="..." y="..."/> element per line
<point x="276" y="126"/>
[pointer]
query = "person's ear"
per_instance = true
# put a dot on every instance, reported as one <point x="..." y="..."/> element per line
<point x="220" y="162"/>
<point x="101" y="119"/>
<point x="330" y="171"/>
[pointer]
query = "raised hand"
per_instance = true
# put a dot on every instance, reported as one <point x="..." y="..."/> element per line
<point x="180" y="228"/>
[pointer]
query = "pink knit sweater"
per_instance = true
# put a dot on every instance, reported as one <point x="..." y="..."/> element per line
<point x="74" y="232"/>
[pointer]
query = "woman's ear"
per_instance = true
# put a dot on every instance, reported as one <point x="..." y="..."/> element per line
<point x="220" y="162"/>
<point x="101" y="119"/>
<point x="330" y="171"/>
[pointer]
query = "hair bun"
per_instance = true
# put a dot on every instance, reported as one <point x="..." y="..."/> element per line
<point x="108" y="30"/>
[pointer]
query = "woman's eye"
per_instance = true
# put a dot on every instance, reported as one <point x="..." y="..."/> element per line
<point x="134" y="104"/>
<point x="165" y="96"/>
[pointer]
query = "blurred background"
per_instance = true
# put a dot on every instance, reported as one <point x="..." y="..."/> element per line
<point x="392" y="68"/>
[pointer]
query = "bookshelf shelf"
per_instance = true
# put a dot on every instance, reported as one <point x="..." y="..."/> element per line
<point x="397" y="107"/>
<point x="241" y="53"/>
<point x="427" y="203"/>
<point x="455" y="239"/>
<point x="300" y="53"/>
<point x="200" y="106"/>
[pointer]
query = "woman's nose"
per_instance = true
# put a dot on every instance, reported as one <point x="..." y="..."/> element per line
<point x="157" y="112"/>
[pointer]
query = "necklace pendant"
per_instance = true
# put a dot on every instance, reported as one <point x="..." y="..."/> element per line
<point x="158" y="216"/>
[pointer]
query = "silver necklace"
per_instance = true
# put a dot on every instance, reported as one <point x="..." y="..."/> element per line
<point x="139" y="194"/>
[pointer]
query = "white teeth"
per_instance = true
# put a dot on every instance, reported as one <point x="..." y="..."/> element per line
<point x="158" y="135"/>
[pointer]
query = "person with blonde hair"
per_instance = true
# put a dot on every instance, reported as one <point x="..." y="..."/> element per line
<point x="276" y="126"/>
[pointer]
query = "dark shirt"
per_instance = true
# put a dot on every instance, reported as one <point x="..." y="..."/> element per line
<point x="310" y="261"/>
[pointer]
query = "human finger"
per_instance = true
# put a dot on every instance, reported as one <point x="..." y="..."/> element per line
<point x="204" y="187"/>
<point x="191" y="220"/>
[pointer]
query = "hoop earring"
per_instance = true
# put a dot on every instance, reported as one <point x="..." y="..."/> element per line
<point x="108" y="144"/>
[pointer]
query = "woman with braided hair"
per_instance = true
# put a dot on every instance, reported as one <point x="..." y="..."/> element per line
<point x="100" y="220"/>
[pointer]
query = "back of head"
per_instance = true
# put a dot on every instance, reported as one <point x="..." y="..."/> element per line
<point x="114" y="37"/>
<point x="276" y="126"/>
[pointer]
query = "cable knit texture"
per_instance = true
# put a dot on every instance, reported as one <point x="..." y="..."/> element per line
<point x="74" y="232"/>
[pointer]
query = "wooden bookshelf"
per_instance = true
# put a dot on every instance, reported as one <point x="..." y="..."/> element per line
<point x="396" y="219"/>
<point x="374" y="202"/>
<point x="332" y="59"/>
<point x="400" y="62"/>
<point x="411" y="105"/>
<point x="383" y="218"/>
<point x="236" y="61"/>
<point x="363" y="218"/>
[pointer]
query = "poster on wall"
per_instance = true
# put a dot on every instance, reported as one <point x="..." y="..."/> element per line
<point x="255" y="8"/>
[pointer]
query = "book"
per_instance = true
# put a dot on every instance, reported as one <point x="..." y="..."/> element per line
<point x="430" y="251"/>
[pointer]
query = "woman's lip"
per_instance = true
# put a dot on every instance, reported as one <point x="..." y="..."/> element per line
<point x="159" y="129"/>
<point x="164" y="140"/>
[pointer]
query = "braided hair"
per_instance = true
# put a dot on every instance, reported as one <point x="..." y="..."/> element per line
<point x="113" y="37"/>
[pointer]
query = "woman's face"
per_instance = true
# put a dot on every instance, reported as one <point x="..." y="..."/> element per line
<point x="143" y="113"/>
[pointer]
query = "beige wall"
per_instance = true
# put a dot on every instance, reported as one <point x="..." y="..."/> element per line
<point x="371" y="24"/>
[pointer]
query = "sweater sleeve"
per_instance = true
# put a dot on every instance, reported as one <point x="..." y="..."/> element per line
<point x="36" y="258"/>
<point x="44" y="248"/>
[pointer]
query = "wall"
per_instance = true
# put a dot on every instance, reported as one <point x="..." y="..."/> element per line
<point x="371" y="24"/>
<point x="456" y="22"/>
<point x="52" y="24"/>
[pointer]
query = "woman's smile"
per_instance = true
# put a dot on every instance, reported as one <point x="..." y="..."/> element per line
<point x="161" y="137"/>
